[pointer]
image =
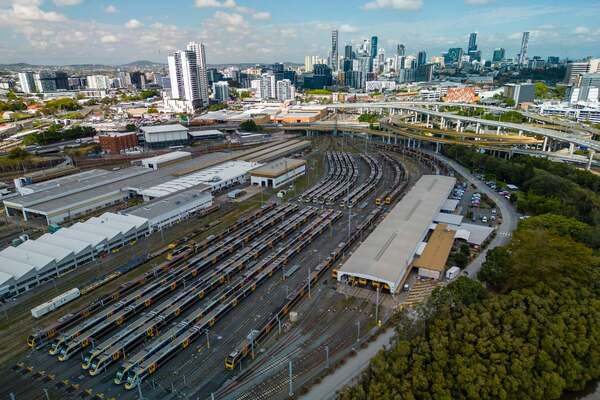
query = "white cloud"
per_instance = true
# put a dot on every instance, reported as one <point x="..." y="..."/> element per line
<point x="407" y="5"/>
<point x="109" y="39"/>
<point x="133" y="24"/>
<point x="28" y="12"/>
<point x="110" y="9"/>
<point x="231" y="21"/>
<point x="348" y="28"/>
<point x="582" y="30"/>
<point x="215" y="4"/>
<point x="67" y="2"/>
<point x="477" y="2"/>
<point x="261" y="15"/>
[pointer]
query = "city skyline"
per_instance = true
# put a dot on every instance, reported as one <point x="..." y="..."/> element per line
<point x="82" y="31"/>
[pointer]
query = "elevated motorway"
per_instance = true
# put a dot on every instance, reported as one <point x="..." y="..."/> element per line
<point x="418" y="109"/>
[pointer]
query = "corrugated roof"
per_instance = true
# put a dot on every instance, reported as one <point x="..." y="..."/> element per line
<point x="277" y="167"/>
<point x="167" y="204"/>
<point x="38" y="261"/>
<point x="59" y="254"/>
<point x="74" y="245"/>
<point x="6" y="278"/>
<point x="97" y="228"/>
<point x="385" y="256"/>
<point x="163" y="128"/>
<point x="134" y="220"/>
<point x="72" y="232"/>
<point x="16" y="269"/>
<point x="438" y="248"/>
<point x="450" y="219"/>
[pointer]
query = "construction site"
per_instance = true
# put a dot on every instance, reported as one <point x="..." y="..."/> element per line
<point x="253" y="308"/>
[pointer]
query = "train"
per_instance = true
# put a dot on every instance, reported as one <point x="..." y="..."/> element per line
<point x="55" y="303"/>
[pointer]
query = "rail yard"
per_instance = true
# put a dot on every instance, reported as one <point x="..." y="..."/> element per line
<point x="221" y="317"/>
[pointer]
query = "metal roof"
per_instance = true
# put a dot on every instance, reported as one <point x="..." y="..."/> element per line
<point x="436" y="253"/>
<point x="385" y="256"/>
<point x="138" y="222"/>
<point x="163" y="158"/>
<point x="450" y="219"/>
<point x="73" y="233"/>
<point x="277" y="167"/>
<point x="210" y="176"/>
<point x="16" y="269"/>
<point x="6" y="278"/>
<point x="168" y="204"/>
<point x="163" y="128"/>
<point x="95" y="225"/>
<point x="60" y="254"/>
<point x="38" y="261"/>
<point x="74" y="245"/>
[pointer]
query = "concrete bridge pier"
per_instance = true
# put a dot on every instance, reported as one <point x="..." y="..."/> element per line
<point x="589" y="166"/>
<point x="478" y="128"/>
<point x="458" y="124"/>
<point x="545" y="143"/>
<point x="437" y="147"/>
<point x="571" y="149"/>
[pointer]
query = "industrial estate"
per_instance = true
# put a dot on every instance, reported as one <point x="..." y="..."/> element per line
<point x="364" y="225"/>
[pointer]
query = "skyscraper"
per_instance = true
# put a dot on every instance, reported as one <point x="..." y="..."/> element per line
<point x="334" y="51"/>
<point x="400" y="50"/>
<point x="472" y="42"/>
<point x="499" y="55"/>
<point x="27" y="83"/>
<point x="267" y="86"/>
<point x="221" y="91"/>
<point x="348" y="53"/>
<point x="183" y="73"/>
<point x="421" y="58"/>
<point x="198" y="49"/>
<point x="373" y="47"/>
<point x="523" y="54"/>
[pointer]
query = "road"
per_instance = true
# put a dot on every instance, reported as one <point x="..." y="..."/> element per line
<point x="329" y="386"/>
<point x="510" y="218"/>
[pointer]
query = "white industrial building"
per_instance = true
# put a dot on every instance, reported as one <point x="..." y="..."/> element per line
<point x="164" y="159"/>
<point x="174" y="208"/>
<point x="386" y="255"/>
<point x="51" y="255"/>
<point x="160" y="136"/>
<point x="219" y="177"/>
<point x="278" y="173"/>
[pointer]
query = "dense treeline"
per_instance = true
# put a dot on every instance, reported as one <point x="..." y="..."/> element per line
<point x="56" y="133"/>
<point x="536" y="337"/>
<point x="546" y="186"/>
<point x="534" y="333"/>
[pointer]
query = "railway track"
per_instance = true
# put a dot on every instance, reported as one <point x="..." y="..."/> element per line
<point x="201" y="320"/>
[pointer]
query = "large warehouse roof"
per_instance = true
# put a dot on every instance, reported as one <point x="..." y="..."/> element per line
<point x="38" y="261"/>
<point x="163" y="128"/>
<point x="277" y="167"/>
<point x="210" y="176"/>
<point x="385" y="256"/>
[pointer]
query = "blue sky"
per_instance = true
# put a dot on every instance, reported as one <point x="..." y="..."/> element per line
<point x="120" y="31"/>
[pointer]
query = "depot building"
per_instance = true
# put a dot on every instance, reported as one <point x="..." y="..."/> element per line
<point x="278" y="173"/>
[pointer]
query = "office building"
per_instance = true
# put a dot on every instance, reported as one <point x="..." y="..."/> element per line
<point x="373" y="48"/>
<point x="285" y="90"/>
<point x="520" y="93"/>
<point x="334" y="51"/>
<point x="522" y="59"/>
<point x="221" y="91"/>
<point x="587" y="89"/>
<point x="27" y="83"/>
<point x="348" y="52"/>
<point x="424" y="73"/>
<point x="421" y="58"/>
<point x="401" y="50"/>
<point x="453" y="56"/>
<point x="61" y="80"/>
<point x="199" y="51"/>
<point x="498" y="55"/>
<point x="472" y="42"/>
<point x="553" y="60"/>
<point x="576" y="69"/>
<point x="320" y="78"/>
<point x="44" y="82"/>
<point x="184" y="77"/>
<point x="101" y="82"/>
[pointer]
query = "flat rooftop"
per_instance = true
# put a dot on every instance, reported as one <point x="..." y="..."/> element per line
<point x="387" y="253"/>
<point x="163" y="205"/>
<point x="163" y="128"/>
<point x="278" y="167"/>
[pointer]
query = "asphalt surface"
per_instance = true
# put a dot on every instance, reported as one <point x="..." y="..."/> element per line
<point x="510" y="217"/>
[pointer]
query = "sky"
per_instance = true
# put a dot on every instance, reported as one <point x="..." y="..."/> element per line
<point x="120" y="31"/>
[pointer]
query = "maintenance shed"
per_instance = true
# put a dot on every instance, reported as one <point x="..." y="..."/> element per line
<point x="161" y="136"/>
<point x="385" y="257"/>
<point x="278" y="173"/>
<point x="174" y="208"/>
<point x="432" y="262"/>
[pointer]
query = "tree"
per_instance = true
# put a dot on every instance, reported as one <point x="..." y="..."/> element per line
<point x="18" y="153"/>
<point x="250" y="126"/>
<point x="541" y="90"/>
<point x="217" y="107"/>
<point x="130" y="127"/>
<point x="496" y="268"/>
<point x="152" y="110"/>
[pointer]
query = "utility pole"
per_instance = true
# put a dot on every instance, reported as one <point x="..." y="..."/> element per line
<point x="327" y="356"/>
<point x="291" y="391"/>
<point x="377" y="308"/>
<point x="357" y="330"/>
<point x="139" y="388"/>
